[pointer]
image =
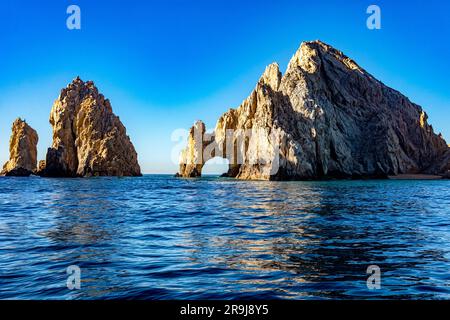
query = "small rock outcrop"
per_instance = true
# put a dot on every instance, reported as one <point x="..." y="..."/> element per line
<point x="88" y="139"/>
<point x="22" y="150"/>
<point x="326" y="117"/>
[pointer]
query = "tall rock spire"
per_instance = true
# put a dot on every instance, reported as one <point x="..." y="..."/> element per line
<point x="22" y="150"/>
<point x="88" y="139"/>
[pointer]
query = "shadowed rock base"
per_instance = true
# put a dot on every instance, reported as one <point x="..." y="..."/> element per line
<point x="19" y="172"/>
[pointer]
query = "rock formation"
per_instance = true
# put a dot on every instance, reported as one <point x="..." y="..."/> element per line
<point x="192" y="166"/>
<point x="22" y="150"/>
<point x="326" y="117"/>
<point x="88" y="139"/>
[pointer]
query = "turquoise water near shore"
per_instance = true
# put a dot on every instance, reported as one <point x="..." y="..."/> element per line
<point x="159" y="237"/>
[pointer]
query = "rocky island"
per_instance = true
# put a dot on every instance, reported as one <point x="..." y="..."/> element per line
<point x="88" y="139"/>
<point x="326" y="117"/>
<point x="22" y="150"/>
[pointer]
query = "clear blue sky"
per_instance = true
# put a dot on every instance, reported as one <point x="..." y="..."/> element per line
<point x="165" y="64"/>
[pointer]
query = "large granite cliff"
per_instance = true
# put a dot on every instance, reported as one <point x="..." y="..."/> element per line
<point x="88" y="138"/>
<point x="326" y="117"/>
<point x="22" y="150"/>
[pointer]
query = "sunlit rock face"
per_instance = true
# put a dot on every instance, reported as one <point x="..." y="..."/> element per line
<point x="191" y="161"/>
<point x="326" y="117"/>
<point x="88" y="139"/>
<point x="22" y="150"/>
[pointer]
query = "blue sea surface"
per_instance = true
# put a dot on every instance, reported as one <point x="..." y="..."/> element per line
<point x="159" y="237"/>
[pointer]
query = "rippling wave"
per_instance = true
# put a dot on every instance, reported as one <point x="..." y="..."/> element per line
<point x="159" y="237"/>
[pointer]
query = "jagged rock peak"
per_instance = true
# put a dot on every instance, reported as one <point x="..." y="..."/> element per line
<point x="88" y="138"/>
<point x="77" y="90"/>
<point x="22" y="150"/>
<point x="309" y="53"/>
<point x="271" y="76"/>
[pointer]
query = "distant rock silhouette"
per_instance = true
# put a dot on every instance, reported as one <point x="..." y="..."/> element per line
<point x="22" y="150"/>
<point x="331" y="118"/>
<point x="88" y="139"/>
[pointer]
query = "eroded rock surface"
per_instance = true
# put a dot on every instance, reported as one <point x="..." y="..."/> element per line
<point x="88" y="139"/>
<point x="22" y="150"/>
<point x="326" y="117"/>
<point x="441" y="166"/>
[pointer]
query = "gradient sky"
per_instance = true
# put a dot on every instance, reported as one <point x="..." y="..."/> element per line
<point x="165" y="64"/>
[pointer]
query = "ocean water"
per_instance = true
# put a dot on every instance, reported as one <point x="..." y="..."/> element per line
<point x="159" y="237"/>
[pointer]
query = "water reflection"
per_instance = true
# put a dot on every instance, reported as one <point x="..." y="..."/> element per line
<point x="86" y="220"/>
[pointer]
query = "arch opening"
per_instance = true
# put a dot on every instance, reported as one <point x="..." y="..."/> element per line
<point x="215" y="166"/>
